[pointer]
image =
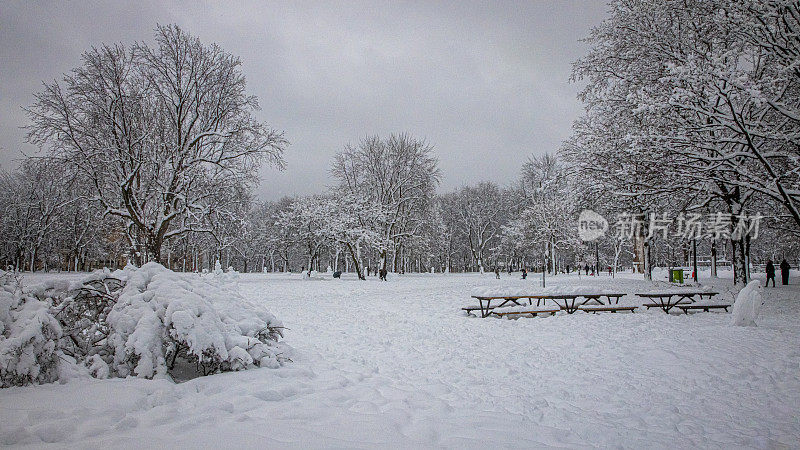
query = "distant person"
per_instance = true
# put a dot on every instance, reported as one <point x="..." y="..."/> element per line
<point x="784" y="273"/>
<point x="609" y="270"/>
<point x="382" y="274"/>
<point x="524" y="273"/>
<point x="497" y="272"/>
<point x="586" y="269"/>
<point x="770" y="273"/>
<point x="368" y="270"/>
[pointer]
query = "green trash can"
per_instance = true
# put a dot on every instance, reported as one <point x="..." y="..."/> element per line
<point x="676" y="276"/>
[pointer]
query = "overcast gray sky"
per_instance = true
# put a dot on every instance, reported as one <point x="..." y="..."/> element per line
<point x="485" y="83"/>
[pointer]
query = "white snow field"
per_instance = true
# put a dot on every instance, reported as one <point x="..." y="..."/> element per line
<point x="397" y="364"/>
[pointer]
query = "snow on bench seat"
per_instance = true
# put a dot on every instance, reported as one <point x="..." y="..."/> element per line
<point x="706" y="308"/>
<point x="533" y="312"/>
<point x="521" y="310"/>
<point x="611" y="309"/>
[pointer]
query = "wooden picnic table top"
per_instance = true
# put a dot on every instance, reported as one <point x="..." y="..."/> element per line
<point x="547" y="296"/>
<point x="674" y="293"/>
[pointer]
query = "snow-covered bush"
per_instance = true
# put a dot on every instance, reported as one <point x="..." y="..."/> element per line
<point x="748" y="305"/>
<point x="29" y="336"/>
<point x="82" y="309"/>
<point x="145" y="322"/>
<point x="166" y="323"/>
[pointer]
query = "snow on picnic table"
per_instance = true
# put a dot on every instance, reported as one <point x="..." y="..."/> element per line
<point x="521" y="289"/>
<point x="399" y="365"/>
<point x="678" y="291"/>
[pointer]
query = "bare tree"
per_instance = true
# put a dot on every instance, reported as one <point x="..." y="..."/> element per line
<point x="479" y="212"/>
<point x="156" y="130"/>
<point x="398" y="175"/>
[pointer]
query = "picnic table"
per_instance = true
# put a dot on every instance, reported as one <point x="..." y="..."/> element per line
<point x="566" y="302"/>
<point x="667" y="300"/>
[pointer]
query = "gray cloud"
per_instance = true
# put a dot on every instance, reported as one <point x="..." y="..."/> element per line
<point x="485" y="83"/>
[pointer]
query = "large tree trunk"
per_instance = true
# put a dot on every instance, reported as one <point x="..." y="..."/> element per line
<point x="638" y="254"/>
<point x="739" y="262"/>
<point x="384" y="257"/>
<point x="356" y="256"/>
<point x="714" y="258"/>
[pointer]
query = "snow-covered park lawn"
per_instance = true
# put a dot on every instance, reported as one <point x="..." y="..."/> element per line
<point x="398" y="364"/>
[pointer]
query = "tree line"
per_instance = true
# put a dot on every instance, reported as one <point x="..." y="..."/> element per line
<point x="692" y="110"/>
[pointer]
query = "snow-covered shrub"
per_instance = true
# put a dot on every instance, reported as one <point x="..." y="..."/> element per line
<point x="748" y="305"/>
<point x="29" y="336"/>
<point x="166" y="323"/>
<point x="82" y="309"/>
<point x="145" y="322"/>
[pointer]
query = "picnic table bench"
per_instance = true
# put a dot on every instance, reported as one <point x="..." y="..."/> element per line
<point x="611" y="309"/>
<point x="668" y="300"/>
<point x="705" y="308"/>
<point x="533" y="312"/>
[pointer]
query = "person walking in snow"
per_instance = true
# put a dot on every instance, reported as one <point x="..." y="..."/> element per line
<point x="770" y="269"/>
<point x="524" y="273"/>
<point x="497" y="272"/>
<point x="784" y="273"/>
<point x="382" y="274"/>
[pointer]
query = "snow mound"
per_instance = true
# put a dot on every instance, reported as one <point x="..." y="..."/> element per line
<point x="748" y="305"/>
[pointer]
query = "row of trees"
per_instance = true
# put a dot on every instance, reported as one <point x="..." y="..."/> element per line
<point x="383" y="212"/>
<point x="694" y="106"/>
<point x="153" y="151"/>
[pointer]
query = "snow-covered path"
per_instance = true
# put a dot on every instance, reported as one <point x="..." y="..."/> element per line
<point x="398" y="364"/>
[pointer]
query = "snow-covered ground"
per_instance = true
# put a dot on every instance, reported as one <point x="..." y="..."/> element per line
<point x="398" y="364"/>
